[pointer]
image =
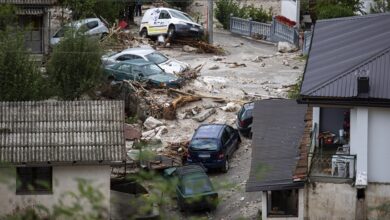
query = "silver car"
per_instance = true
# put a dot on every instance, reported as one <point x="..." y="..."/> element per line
<point x="92" y="27"/>
<point x="169" y="65"/>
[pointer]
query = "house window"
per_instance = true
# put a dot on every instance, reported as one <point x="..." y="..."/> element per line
<point x="283" y="203"/>
<point x="34" y="180"/>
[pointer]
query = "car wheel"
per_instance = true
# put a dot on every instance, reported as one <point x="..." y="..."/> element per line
<point x="171" y="31"/>
<point x="144" y="33"/>
<point x="227" y="166"/>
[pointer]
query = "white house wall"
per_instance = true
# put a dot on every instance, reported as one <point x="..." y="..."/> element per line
<point x="64" y="180"/>
<point x="379" y="145"/>
<point x="289" y="9"/>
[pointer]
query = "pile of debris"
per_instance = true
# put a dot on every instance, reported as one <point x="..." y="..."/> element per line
<point x="201" y="46"/>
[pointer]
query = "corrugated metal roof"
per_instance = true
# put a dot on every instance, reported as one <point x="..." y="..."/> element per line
<point x="30" y="11"/>
<point x="64" y="131"/>
<point x="277" y="128"/>
<point x="343" y="49"/>
<point x="29" y="2"/>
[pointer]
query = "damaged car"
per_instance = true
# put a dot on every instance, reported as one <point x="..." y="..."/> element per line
<point x="169" y="22"/>
<point x="143" y="71"/>
<point x="169" y="65"/>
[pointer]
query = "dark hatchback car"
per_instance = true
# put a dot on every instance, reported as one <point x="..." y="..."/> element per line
<point x="142" y="70"/>
<point x="213" y="145"/>
<point x="194" y="189"/>
<point x="245" y="119"/>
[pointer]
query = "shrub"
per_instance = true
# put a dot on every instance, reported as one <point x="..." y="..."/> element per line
<point x="20" y="78"/>
<point x="223" y="10"/>
<point x="326" y="11"/>
<point x="75" y="66"/>
<point x="181" y="4"/>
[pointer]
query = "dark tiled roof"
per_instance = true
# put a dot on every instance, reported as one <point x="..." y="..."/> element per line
<point x="29" y="2"/>
<point x="67" y="131"/>
<point x="343" y="49"/>
<point x="278" y="126"/>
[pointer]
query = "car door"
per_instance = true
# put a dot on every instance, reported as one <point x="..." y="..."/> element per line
<point x="153" y="24"/>
<point x="124" y="72"/>
<point x="232" y="140"/>
<point x="225" y="143"/>
<point x="163" y="22"/>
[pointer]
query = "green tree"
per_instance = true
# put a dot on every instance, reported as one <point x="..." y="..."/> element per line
<point x="380" y="6"/>
<point x="74" y="67"/>
<point x="224" y="9"/>
<point x="181" y="4"/>
<point x="20" y="78"/>
<point x="7" y="16"/>
<point x="110" y="10"/>
<point x="80" y="9"/>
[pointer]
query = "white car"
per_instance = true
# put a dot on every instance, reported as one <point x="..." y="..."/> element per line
<point x="168" y="65"/>
<point x="92" y="27"/>
<point x="170" y="22"/>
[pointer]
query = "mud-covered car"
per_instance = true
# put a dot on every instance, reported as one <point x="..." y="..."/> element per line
<point x="141" y="70"/>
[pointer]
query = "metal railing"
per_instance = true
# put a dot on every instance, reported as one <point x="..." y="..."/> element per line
<point x="274" y="32"/>
<point x="333" y="165"/>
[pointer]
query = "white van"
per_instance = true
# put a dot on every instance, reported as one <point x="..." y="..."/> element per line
<point x="92" y="27"/>
<point x="169" y="22"/>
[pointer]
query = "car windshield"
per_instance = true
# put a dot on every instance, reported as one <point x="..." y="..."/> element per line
<point x="181" y="15"/>
<point x="156" y="58"/>
<point x="204" y="144"/>
<point x="151" y="69"/>
<point x="195" y="184"/>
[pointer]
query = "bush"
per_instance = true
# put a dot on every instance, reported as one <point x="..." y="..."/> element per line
<point x="326" y="11"/>
<point x="226" y="8"/>
<point x="20" y="78"/>
<point x="75" y="66"/>
<point x="110" y="10"/>
<point x="256" y="14"/>
<point x="181" y="4"/>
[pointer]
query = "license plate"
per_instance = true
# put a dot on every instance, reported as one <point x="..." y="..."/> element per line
<point x="204" y="155"/>
<point x="194" y="29"/>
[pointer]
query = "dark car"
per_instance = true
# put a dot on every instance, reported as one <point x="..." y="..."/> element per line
<point x="245" y="119"/>
<point x="194" y="190"/>
<point x="141" y="70"/>
<point x="213" y="145"/>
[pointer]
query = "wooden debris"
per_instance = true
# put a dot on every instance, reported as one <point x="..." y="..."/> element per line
<point x="191" y="73"/>
<point x="202" y="46"/>
<point x="169" y="111"/>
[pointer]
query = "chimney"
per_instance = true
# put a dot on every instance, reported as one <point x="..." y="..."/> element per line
<point x="363" y="86"/>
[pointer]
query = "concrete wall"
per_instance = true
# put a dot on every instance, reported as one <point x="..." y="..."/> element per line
<point x="289" y="10"/>
<point x="64" y="180"/>
<point x="370" y="142"/>
<point x="338" y="201"/>
<point x="330" y="201"/>
<point x="379" y="145"/>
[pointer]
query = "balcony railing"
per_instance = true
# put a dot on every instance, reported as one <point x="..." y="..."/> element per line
<point x="332" y="165"/>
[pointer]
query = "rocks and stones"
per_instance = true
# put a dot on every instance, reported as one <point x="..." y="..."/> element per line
<point x="216" y="58"/>
<point x="257" y="59"/>
<point x="204" y="115"/>
<point x="262" y="64"/>
<point x="189" y="49"/>
<point x="151" y="123"/>
<point x="295" y="67"/>
<point x="231" y="107"/>
<point x="154" y="134"/>
<point x="285" y="62"/>
<point x="285" y="47"/>
<point x="214" y="67"/>
<point x="211" y="105"/>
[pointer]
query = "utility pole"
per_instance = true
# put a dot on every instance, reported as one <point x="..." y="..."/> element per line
<point x="210" y="20"/>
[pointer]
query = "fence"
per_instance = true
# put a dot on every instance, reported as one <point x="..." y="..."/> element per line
<point x="332" y="165"/>
<point x="275" y="31"/>
<point x="306" y="42"/>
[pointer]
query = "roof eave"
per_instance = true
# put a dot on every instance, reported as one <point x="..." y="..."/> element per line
<point x="351" y="101"/>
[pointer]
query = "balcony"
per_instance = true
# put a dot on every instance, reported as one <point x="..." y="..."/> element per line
<point x="333" y="167"/>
